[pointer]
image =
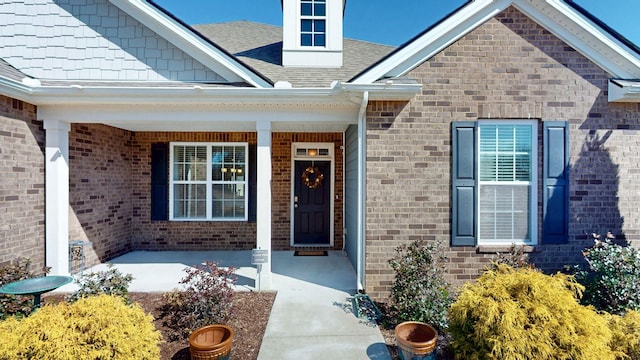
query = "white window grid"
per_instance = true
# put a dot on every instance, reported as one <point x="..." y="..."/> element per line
<point x="208" y="181"/>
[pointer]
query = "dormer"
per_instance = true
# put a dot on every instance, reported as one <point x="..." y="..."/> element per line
<point x="312" y="33"/>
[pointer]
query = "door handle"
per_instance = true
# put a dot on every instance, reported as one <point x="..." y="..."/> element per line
<point x="295" y="202"/>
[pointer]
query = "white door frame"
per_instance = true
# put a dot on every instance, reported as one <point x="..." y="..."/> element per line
<point x="298" y="155"/>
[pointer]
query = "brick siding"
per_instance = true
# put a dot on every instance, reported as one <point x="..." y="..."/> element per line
<point x="507" y="68"/>
<point x="100" y="190"/>
<point x="110" y="194"/>
<point x="22" y="197"/>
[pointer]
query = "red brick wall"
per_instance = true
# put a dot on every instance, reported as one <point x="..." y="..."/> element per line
<point x="100" y="190"/>
<point x="22" y="197"/>
<point x="110" y="181"/>
<point x="508" y="68"/>
<point x="166" y="235"/>
<point x="281" y="179"/>
<point x="181" y="235"/>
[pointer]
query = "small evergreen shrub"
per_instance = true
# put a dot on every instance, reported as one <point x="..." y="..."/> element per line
<point x="626" y="334"/>
<point x="207" y="299"/>
<point x="523" y="314"/>
<point x="611" y="281"/>
<point x="16" y="305"/>
<point x="419" y="291"/>
<point x="109" y="282"/>
<point x="516" y="257"/>
<point x="97" y="327"/>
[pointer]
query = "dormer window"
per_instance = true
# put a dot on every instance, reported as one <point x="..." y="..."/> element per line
<point x="313" y="29"/>
<point x="312" y="33"/>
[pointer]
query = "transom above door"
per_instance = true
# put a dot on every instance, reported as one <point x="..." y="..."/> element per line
<point x="312" y="188"/>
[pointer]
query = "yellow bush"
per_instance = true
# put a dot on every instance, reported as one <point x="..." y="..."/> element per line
<point x="626" y="334"/>
<point x="524" y="314"/>
<point x="97" y="327"/>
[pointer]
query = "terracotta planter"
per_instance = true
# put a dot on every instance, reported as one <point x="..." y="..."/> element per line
<point x="416" y="341"/>
<point x="212" y="342"/>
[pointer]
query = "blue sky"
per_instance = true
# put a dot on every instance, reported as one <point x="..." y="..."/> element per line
<point x="390" y="22"/>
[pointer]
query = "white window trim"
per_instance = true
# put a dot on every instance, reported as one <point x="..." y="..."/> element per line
<point x="313" y="17"/>
<point x="209" y="182"/>
<point x="534" y="183"/>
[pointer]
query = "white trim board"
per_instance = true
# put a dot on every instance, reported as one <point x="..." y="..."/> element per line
<point x="554" y="15"/>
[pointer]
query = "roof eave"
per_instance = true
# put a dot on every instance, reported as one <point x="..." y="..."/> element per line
<point x="197" y="94"/>
<point x="387" y="90"/>
<point x="624" y="93"/>
<point x="14" y="89"/>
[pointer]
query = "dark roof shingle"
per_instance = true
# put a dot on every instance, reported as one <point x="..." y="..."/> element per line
<point x="260" y="46"/>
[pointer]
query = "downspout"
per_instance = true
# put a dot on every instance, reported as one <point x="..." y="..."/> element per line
<point x="344" y="188"/>
<point x="362" y="152"/>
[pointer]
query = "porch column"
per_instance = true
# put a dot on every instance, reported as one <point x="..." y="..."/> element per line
<point x="263" y="221"/>
<point x="57" y="196"/>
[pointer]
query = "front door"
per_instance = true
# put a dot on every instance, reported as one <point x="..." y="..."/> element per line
<point x="312" y="203"/>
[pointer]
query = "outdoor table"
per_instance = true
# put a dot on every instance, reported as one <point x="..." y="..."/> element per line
<point x="35" y="286"/>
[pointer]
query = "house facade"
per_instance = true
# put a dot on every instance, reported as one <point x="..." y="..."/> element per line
<point x="506" y="122"/>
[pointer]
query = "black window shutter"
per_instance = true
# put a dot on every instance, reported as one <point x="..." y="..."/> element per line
<point x="253" y="180"/>
<point x="555" y="177"/>
<point x="159" y="181"/>
<point x="464" y="184"/>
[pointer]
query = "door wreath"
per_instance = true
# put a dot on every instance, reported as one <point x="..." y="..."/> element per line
<point x="312" y="177"/>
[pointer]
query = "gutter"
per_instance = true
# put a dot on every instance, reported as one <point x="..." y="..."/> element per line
<point x="31" y="91"/>
<point x="15" y="89"/>
<point x="624" y="91"/>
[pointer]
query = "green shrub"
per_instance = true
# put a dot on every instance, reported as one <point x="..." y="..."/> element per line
<point x="626" y="334"/>
<point x="109" y="282"/>
<point x="16" y="305"/>
<point x="207" y="299"/>
<point x="611" y="281"/>
<point x="419" y="291"/>
<point x="523" y="314"/>
<point x="97" y="327"/>
<point x="516" y="257"/>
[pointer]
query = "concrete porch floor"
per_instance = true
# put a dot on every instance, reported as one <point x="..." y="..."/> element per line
<point x="312" y="316"/>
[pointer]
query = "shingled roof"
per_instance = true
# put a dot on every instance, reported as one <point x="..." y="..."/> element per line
<point x="260" y="46"/>
<point x="9" y="72"/>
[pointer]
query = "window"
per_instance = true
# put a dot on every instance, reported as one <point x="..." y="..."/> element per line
<point x="313" y="23"/>
<point x="208" y="181"/>
<point x="494" y="182"/>
<point x="507" y="182"/>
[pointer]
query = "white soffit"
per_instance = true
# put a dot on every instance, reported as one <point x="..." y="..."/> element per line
<point x="207" y="54"/>
<point x="554" y="15"/>
<point x="624" y="91"/>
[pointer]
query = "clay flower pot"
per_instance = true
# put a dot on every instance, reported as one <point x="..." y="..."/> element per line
<point x="416" y="341"/>
<point x="212" y="342"/>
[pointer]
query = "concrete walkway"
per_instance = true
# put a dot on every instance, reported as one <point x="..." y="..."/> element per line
<point x="312" y="315"/>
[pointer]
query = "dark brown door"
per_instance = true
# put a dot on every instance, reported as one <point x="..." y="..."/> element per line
<point x="312" y="203"/>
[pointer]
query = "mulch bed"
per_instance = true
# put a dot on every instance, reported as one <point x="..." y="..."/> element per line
<point x="251" y="313"/>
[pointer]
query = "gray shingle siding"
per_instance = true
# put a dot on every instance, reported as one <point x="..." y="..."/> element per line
<point x="60" y="40"/>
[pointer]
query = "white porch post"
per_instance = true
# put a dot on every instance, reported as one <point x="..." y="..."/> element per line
<point x="263" y="221"/>
<point x="57" y="196"/>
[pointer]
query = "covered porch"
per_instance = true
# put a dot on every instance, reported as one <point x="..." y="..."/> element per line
<point x="161" y="271"/>
<point x="99" y="169"/>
